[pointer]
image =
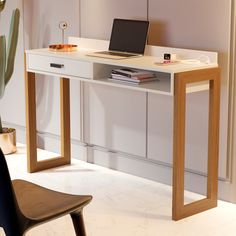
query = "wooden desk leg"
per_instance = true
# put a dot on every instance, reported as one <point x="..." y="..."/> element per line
<point x="31" y="132"/>
<point x="179" y="210"/>
<point x="65" y="119"/>
<point x="33" y="164"/>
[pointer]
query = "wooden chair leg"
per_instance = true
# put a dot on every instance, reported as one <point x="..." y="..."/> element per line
<point x="78" y="222"/>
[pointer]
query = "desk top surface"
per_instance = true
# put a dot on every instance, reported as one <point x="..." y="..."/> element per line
<point x="145" y="62"/>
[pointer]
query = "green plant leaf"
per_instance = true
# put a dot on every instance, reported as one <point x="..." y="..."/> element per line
<point x="2" y="64"/>
<point x="1" y="129"/>
<point x="12" y="44"/>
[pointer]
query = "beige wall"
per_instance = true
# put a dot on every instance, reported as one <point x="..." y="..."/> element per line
<point x="12" y="106"/>
<point x="97" y="15"/>
<point x="203" y="24"/>
<point x="41" y="25"/>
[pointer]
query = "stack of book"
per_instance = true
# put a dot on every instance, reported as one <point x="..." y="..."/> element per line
<point x="132" y="75"/>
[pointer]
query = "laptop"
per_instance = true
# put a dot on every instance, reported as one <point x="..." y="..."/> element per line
<point x="128" y="39"/>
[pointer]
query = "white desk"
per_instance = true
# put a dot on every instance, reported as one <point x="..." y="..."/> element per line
<point x="174" y="80"/>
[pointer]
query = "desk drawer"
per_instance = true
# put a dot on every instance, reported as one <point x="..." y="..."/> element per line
<point x="61" y="66"/>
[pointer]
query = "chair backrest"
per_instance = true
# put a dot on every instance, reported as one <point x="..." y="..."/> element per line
<point x="9" y="210"/>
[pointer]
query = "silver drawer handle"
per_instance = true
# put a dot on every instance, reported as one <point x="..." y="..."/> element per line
<point x="55" y="65"/>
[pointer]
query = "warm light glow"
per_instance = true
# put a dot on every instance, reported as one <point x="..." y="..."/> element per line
<point x="63" y="47"/>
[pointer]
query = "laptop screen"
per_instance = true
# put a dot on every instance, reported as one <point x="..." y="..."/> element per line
<point x="129" y="36"/>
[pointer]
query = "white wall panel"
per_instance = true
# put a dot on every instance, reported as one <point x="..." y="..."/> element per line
<point x="160" y="131"/>
<point x="115" y="121"/>
<point x="160" y="128"/>
<point x="41" y="20"/>
<point x="97" y="15"/>
<point x="115" y="118"/>
<point x="204" y="25"/>
<point x="41" y="29"/>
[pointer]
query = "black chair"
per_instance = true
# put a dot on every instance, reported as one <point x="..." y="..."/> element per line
<point x="24" y="205"/>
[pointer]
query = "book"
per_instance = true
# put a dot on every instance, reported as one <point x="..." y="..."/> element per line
<point x="142" y="78"/>
<point x="138" y="77"/>
<point x="132" y="73"/>
<point x="127" y="79"/>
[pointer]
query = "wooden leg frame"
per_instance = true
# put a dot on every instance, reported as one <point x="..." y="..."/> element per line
<point x="65" y="158"/>
<point x="179" y="210"/>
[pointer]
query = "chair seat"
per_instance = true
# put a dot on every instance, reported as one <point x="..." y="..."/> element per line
<point x="39" y="203"/>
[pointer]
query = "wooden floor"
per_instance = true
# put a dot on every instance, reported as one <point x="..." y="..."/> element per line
<point x="123" y="204"/>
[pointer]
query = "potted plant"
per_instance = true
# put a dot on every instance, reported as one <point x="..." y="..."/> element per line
<point x="7" y="57"/>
